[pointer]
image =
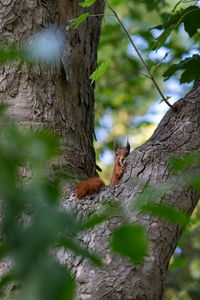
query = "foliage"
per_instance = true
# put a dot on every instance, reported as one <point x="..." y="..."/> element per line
<point x="98" y="73"/>
<point x="80" y="19"/>
<point x="32" y="223"/>
<point x="87" y="3"/>
<point x="123" y="90"/>
<point x="130" y="241"/>
<point x="183" y="276"/>
<point x="190" y="67"/>
<point x="190" y="17"/>
<point x="166" y="212"/>
<point x="10" y="53"/>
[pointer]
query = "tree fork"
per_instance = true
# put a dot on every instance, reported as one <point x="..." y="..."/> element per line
<point x="176" y="135"/>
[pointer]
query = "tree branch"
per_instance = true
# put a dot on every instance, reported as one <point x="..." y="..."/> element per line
<point x="176" y="135"/>
<point x="139" y="55"/>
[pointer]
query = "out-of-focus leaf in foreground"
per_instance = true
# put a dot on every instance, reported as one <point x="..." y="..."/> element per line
<point x="130" y="241"/>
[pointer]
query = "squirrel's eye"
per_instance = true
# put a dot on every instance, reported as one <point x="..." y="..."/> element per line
<point x="116" y="154"/>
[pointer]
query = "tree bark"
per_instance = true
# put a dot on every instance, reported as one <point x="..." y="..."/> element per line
<point x="62" y="98"/>
<point x="176" y="135"/>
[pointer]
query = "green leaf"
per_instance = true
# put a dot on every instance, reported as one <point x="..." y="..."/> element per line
<point x="80" y="19"/>
<point x="130" y="241"/>
<point x="184" y="163"/>
<point x="5" y="280"/>
<point x="49" y="281"/>
<point x="192" y="21"/>
<point x="3" y="107"/>
<point x="195" y="182"/>
<point x="189" y="16"/>
<point x="179" y="17"/>
<point x="87" y="3"/>
<point x="160" y="41"/>
<point x="96" y="220"/>
<point x="151" y="5"/>
<point x="167" y="98"/>
<point x="10" y="53"/>
<point x="153" y="69"/>
<point x="191" y="67"/>
<point x="111" y="210"/>
<point x="166" y="212"/>
<point x="178" y="263"/>
<point x="74" y="246"/>
<point x="98" y="73"/>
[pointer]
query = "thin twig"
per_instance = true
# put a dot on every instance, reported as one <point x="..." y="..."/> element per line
<point x="138" y="53"/>
<point x="137" y="72"/>
<point x="177" y="4"/>
<point x="97" y="15"/>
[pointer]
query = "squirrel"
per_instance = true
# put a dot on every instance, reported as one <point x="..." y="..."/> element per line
<point x="94" y="184"/>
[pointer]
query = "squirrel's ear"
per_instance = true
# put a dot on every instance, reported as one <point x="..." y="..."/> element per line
<point x="128" y="146"/>
<point x="115" y="146"/>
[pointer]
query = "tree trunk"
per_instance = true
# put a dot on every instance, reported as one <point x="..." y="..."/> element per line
<point x="61" y="97"/>
<point x="177" y="134"/>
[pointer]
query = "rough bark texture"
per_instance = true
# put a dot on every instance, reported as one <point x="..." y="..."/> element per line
<point x="177" y="134"/>
<point x="60" y="97"/>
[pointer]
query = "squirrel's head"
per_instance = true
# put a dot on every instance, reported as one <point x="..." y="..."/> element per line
<point x="121" y="152"/>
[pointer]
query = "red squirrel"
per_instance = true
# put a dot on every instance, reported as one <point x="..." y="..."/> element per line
<point x="94" y="184"/>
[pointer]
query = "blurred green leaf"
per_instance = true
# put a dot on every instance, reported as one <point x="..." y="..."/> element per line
<point x="3" y="107"/>
<point x="95" y="220"/>
<point x="166" y="212"/>
<point x="192" y="20"/>
<point x="190" y="67"/>
<point x="130" y="241"/>
<point x="154" y="4"/>
<point x="179" y="262"/>
<point x="75" y="247"/>
<point x="184" y="163"/>
<point x="153" y="68"/>
<point x="10" y="53"/>
<point x="49" y="280"/>
<point x="195" y="181"/>
<point x="9" y="277"/>
<point x="167" y="98"/>
<point x="111" y="210"/>
<point x="87" y="3"/>
<point x="160" y="41"/>
<point x="32" y="221"/>
<point x="189" y="16"/>
<point x="80" y="19"/>
<point x="98" y="73"/>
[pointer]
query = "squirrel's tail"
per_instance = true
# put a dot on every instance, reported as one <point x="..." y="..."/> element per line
<point x="88" y="186"/>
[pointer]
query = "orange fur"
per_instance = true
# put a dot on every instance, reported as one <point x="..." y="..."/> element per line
<point x="120" y="154"/>
<point x="88" y="186"/>
<point x="94" y="184"/>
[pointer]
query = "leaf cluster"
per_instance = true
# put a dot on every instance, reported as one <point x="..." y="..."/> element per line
<point x="33" y="224"/>
<point x="30" y="221"/>
<point x="190" y="18"/>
